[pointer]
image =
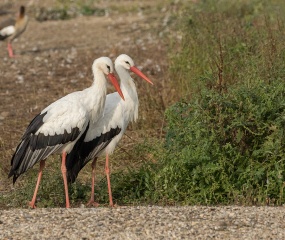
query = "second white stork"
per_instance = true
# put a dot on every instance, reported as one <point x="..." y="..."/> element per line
<point x="57" y="128"/>
<point x="103" y="136"/>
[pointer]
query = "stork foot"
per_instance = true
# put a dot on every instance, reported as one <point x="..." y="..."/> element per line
<point x="113" y="205"/>
<point x="92" y="203"/>
<point x="32" y="205"/>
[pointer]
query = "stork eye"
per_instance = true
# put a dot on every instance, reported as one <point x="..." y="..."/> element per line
<point x="109" y="68"/>
<point x="127" y="62"/>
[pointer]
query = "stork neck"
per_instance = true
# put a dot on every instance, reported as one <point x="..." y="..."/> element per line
<point x="127" y="84"/>
<point x="128" y="88"/>
<point x="96" y="93"/>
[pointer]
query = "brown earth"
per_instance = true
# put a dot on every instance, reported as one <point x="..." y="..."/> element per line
<point x="54" y="58"/>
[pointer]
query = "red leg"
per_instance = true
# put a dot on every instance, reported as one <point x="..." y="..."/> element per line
<point x="91" y="201"/>
<point x="32" y="203"/>
<point x="63" y="170"/>
<point x="107" y="170"/>
<point x="10" y="50"/>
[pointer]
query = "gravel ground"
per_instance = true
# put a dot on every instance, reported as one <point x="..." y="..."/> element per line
<point x="195" y="222"/>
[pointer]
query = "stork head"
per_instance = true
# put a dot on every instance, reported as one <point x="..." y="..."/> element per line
<point x="105" y="65"/>
<point x="126" y="62"/>
<point x="22" y="11"/>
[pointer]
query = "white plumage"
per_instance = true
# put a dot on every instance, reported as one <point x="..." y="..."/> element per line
<point x="7" y="31"/>
<point x="57" y="128"/>
<point x="103" y="136"/>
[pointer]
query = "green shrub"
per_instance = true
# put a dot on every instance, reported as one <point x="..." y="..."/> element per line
<point x="227" y="147"/>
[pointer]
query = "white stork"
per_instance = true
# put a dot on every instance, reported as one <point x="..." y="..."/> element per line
<point x="103" y="136"/>
<point x="57" y="128"/>
<point x="12" y="28"/>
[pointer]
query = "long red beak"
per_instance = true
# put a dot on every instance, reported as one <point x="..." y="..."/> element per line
<point x="114" y="81"/>
<point x="140" y="74"/>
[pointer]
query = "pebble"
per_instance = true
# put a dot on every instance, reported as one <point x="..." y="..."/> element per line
<point x="20" y="79"/>
<point x="145" y="222"/>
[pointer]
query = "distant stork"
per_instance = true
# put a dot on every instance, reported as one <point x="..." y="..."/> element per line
<point x="57" y="128"/>
<point x="12" y="28"/>
<point x="103" y="136"/>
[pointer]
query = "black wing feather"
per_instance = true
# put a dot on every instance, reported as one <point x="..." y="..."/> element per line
<point x="83" y="152"/>
<point x="35" y="147"/>
<point x="34" y="125"/>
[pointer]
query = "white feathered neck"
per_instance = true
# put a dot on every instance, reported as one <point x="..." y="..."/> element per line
<point x="94" y="97"/>
<point x="128" y="87"/>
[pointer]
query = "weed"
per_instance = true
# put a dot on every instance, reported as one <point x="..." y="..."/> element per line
<point x="226" y="44"/>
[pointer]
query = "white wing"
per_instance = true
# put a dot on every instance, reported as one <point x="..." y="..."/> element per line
<point x="64" y="116"/>
<point x="7" y="31"/>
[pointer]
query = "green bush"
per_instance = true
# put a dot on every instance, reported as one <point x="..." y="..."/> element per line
<point x="227" y="147"/>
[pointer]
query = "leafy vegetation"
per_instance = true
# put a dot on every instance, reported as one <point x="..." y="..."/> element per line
<point x="227" y="147"/>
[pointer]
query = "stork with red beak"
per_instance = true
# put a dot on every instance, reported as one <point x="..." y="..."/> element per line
<point x="103" y="136"/>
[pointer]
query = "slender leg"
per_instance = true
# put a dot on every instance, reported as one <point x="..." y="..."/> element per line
<point x="63" y="170"/>
<point x="91" y="201"/>
<point x="10" y="50"/>
<point x="107" y="170"/>
<point x="32" y="203"/>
